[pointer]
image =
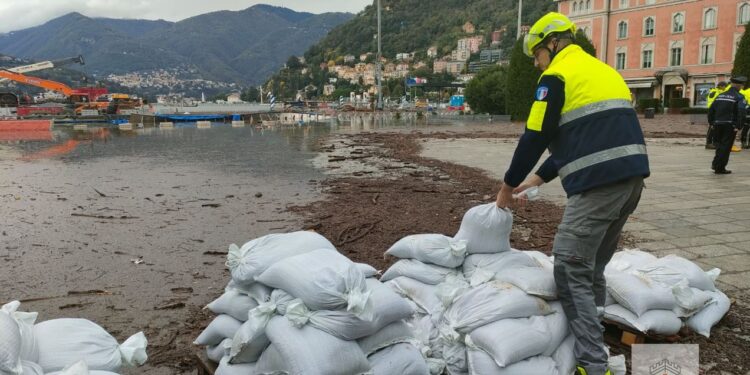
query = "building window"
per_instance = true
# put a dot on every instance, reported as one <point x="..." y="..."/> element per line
<point x="588" y="4"/>
<point x="649" y="26"/>
<point x="620" y="61"/>
<point x="575" y="7"/>
<point x="743" y="14"/>
<point x="709" y="18"/>
<point x="707" y="51"/>
<point x="675" y="56"/>
<point x="678" y="23"/>
<point x="649" y="2"/>
<point x="648" y="58"/>
<point x="622" y="30"/>
<point x="623" y="4"/>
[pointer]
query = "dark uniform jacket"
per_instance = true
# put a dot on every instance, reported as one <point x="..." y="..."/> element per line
<point x="728" y="109"/>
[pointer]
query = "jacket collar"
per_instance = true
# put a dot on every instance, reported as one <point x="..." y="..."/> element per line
<point x="565" y="52"/>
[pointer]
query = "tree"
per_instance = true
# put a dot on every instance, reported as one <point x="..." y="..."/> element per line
<point x="486" y="92"/>
<point x="252" y="94"/>
<point x="293" y="63"/>
<point x="742" y="58"/>
<point x="582" y="40"/>
<point x="520" y="85"/>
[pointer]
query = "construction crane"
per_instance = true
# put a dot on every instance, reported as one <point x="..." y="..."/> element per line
<point x="45" y="65"/>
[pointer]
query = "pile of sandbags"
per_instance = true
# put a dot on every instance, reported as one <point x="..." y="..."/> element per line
<point x="482" y="307"/>
<point x="62" y="346"/>
<point x="295" y="305"/>
<point x="661" y="295"/>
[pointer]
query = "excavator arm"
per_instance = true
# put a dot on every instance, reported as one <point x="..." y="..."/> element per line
<point x="38" y="82"/>
<point x="46" y="65"/>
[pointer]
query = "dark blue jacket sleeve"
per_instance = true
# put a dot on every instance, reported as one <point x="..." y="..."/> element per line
<point x="541" y="128"/>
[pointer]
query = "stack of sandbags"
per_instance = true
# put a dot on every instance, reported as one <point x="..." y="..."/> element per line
<point x="296" y="305"/>
<point x="660" y="295"/>
<point x="51" y="347"/>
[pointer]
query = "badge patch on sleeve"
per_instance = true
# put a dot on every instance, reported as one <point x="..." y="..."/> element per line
<point x="536" y="116"/>
<point x="541" y="92"/>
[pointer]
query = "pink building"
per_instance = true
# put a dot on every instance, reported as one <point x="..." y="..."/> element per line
<point x="664" y="49"/>
<point x="471" y="44"/>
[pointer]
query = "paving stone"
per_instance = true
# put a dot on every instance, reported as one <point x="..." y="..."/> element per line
<point x="740" y="280"/>
<point x="708" y="219"/>
<point x="654" y="235"/>
<point x="659" y="215"/>
<point x="729" y="263"/>
<point x="670" y="223"/>
<point x="724" y="227"/>
<point x="687" y="232"/>
<point x="715" y="250"/>
<point x="742" y="246"/>
<point x="732" y="237"/>
<point x="683" y="205"/>
<point x="637" y="226"/>
<point x="744" y="216"/>
<point x="655" y="245"/>
<point x="693" y="241"/>
<point x="675" y="251"/>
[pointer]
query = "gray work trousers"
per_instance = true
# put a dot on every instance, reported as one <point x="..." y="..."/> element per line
<point x="584" y="244"/>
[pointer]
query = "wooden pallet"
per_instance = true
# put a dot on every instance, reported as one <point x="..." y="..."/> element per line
<point x="620" y="334"/>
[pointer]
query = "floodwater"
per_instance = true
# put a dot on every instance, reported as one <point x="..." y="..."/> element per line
<point x="130" y="228"/>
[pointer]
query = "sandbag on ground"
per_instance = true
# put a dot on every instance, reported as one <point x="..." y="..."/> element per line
<point x="486" y="229"/>
<point x="661" y="322"/>
<point x="392" y="334"/>
<point x="234" y="304"/>
<point x="480" y="268"/>
<point x="62" y="341"/>
<point x="222" y="327"/>
<point x="423" y="295"/>
<point x="424" y="272"/>
<point x="10" y="345"/>
<point x="310" y="351"/>
<point x="323" y="280"/>
<point x="639" y="294"/>
<point x="702" y="321"/>
<point x="401" y="359"/>
<point x="254" y="257"/>
<point x="435" y="249"/>
<point x="508" y="341"/>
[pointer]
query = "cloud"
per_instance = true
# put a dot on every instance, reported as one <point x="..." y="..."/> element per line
<point x="21" y="14"/>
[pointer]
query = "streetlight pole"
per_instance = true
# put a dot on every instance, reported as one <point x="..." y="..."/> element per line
<point x="518" y="30"/>
<point x="379" y="76"/>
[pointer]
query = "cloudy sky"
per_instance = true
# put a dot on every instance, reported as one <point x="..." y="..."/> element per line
<point x="20" y="14"/>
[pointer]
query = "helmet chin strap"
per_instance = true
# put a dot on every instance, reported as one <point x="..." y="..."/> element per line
<point x="554" y="51"/>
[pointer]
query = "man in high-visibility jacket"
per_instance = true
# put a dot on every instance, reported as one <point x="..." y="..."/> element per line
<point x="583" y="114"/>
<point x="745" y="135"/>
<point x="712" y="94"/>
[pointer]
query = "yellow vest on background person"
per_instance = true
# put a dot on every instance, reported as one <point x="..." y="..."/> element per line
<point x="746" y="94"/>
<point x="714" y="92"/>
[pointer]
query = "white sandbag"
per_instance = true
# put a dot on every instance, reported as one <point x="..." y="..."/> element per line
<point x="480" y="268"/>
<point x="486" y="229"/>
<point x="323" y="279"/>
<point x="25" y="321"/>
<point x="508" y="341"/>
<point x="541" y="259"/>
<point x="217" y="352"/>
<point x="80" y="368"/>
<point x="31" y="368"/>
<point x="689" y="300"/>
<point x="249" y="261"/>
<point x="565" y="357"/>
<point x="257" y="291"/>
<point x="617" y="365"/>
<point x="271" y="362"/>
<point x="250" y="340"/>
<point x="234" y="304"/>
<point x="451" y="288"/>
<point x="696" y="277"/>
<point x="703" y="320"/>
<point x="426" y="335"/>
<point x="628" y="259"/>
<point x="435" y="249"/>
<point x="556" y="328"/>
<point x="454" y="355"/>
<point x="639" y="294"/>
<point x="392" y="334"/>
<point x="480" y="363"/>
<point x="62" y="341"/>
<point x="310" y="351"/>
<point x="10" y="345"/>
<point x="535" y="281"/>
<point x="424" y="295"/>
<point x="490" y="302"/>
<point x="222" y="327"/>
<point x="225" y="368"/>
<point x="661" y="322"/>
<point x="388" y="307"/>
<point x="401" y="359"/>
<point x="367" y="270"/>
<point x="417" y="270"/>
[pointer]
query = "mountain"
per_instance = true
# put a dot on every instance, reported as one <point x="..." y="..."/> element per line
<point x="241" y="47"/>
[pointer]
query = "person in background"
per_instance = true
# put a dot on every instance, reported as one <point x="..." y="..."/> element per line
<point x="726" y="115"/>
<point x="583" y="114"/>
<point x="745" y="135"/>
<point x="712" y="94"/>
